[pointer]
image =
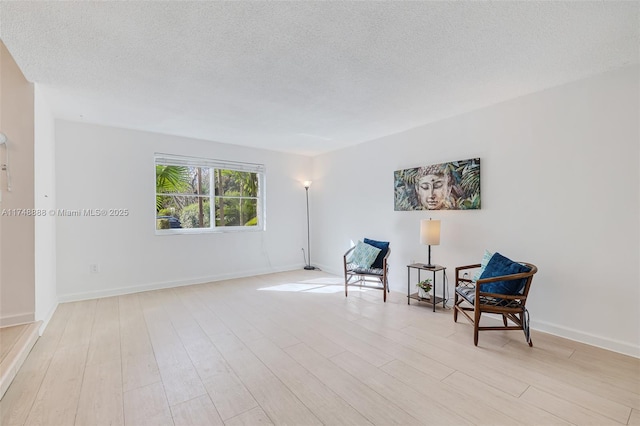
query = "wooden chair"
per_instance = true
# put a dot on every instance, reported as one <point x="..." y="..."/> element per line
<point x="472" y="302"/>
<point x="361" y="277"/>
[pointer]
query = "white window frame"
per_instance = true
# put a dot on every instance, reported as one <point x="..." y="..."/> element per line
<point x="213" y="164"/>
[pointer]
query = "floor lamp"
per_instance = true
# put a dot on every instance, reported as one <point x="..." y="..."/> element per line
<point x="308" y="267"/>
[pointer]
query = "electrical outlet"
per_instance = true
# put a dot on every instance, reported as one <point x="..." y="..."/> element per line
<point x="94" y="268"/>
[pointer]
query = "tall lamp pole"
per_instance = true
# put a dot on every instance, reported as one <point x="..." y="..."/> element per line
<point x="308" y="267"/>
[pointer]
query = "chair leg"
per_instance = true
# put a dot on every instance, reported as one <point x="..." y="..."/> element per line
<point x="524" y="322"/>
<point x="384" y="289"/>
<point x="476" y="324"/>
<point x="455" y="307"/>
<point x="504" y="319"/>
<point x="345" y="287"/>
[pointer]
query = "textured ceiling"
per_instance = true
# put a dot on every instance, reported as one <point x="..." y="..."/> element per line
<point x="305" y="77"/>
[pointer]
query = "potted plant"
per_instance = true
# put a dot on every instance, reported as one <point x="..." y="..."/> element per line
<point x="424" y="287"/>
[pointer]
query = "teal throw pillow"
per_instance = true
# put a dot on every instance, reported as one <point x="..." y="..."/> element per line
<point x="364" y="255"/>
<point x="499" y="266"/>
<point x="483" y="264"/>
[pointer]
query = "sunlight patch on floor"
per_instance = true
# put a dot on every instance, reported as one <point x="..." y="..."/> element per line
<point x="290" y="287"/>
<point x="318" y="285"/>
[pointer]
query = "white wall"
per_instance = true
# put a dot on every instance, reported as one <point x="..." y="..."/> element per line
<point x="104" y="167"/>
<point x="46" y="299"/>
<point x="17" y="229"/>
<point x="560" y="189"/>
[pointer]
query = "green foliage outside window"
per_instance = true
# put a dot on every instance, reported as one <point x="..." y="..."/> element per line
<point x="184" y="193"/>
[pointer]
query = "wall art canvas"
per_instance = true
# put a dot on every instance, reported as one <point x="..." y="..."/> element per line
<point x="446" y="186"/>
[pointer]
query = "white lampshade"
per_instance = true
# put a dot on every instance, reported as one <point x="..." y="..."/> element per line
<point x="307" y="183"/>
<point x="430" y="232"/>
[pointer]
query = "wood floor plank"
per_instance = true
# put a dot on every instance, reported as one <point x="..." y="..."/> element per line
<point x="565" y="409"/>
<point x="228" y="393"/>
<point x="18" y="401"/>
<point x="420" y="406"/>
<point x="477" y="394"/>
<point x="333" y="332"/>
<point x="376" y="408"/>
<point x="57" y="399"/>
<point x="260" y="319"/>
<point x="181" y="383"/>
<point x="560" y="348"/>
<point x="396" y="351"/>
<point x="290" y="348"/>
<point x="603" y="398"/>
<point x="104" y="344"/>
<point x="280" y="404"/>
<point x="252" y="417"/>
<point x="324" y="403"/>
<point x="134" y="337"/>
<point x="139" y="365"/>
<point x="147" y="406"/>
<point x="139" y="371"/>
<point x="199" y="349"/>
<point x="101" y="401"/>
<point x="196" y="412"/>
<point x="80" y="325"/>
<point x="456" y="357"/>
<point x="619" y="371"/>
<point x="302" y="329"/>
<point x="336" y="333"/>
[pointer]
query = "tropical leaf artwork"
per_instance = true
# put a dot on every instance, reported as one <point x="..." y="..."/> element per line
<point x="445" y="186"/>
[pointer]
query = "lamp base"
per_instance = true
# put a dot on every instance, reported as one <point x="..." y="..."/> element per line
<point x="428" y="265"/>
<point x="310" y="268"/>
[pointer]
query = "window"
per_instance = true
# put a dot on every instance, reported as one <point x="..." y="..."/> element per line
<point x="207" y="195"/>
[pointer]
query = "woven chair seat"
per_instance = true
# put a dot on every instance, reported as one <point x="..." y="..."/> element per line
<point x="353" y="268"/>
<point x="468" y="292"/>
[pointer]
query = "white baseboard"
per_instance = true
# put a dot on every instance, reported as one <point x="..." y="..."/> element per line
<point x="47" y="318"/>
<point x="18" y="319"/>
<point x="329" y="270"/>
<point x="74" y="297"/>
<point x="588" y="338"/>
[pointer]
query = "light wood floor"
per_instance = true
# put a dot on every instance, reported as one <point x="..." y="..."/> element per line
<point x="8" y="338"/>
<point x="289" y="348"/>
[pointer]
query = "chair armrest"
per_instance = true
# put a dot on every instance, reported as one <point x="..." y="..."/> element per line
<point x="385" y="265"/>
<point x="462" y="268"/>
<point x="509" y="277"/>
<point x="347" y="253"/>
<point x="388" y="253"/>
<point x="523" y="275"/>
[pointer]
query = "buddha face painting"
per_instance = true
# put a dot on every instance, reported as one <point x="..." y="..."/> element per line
<point x="433" y="188"/>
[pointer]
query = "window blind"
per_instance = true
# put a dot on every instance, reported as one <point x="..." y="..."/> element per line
<point x="181" y="160"/>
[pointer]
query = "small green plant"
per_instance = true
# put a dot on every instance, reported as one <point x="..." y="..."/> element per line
<point x="425" y="285"/>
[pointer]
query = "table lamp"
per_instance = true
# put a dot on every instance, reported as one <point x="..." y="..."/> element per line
<point x="430" y="236"/>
